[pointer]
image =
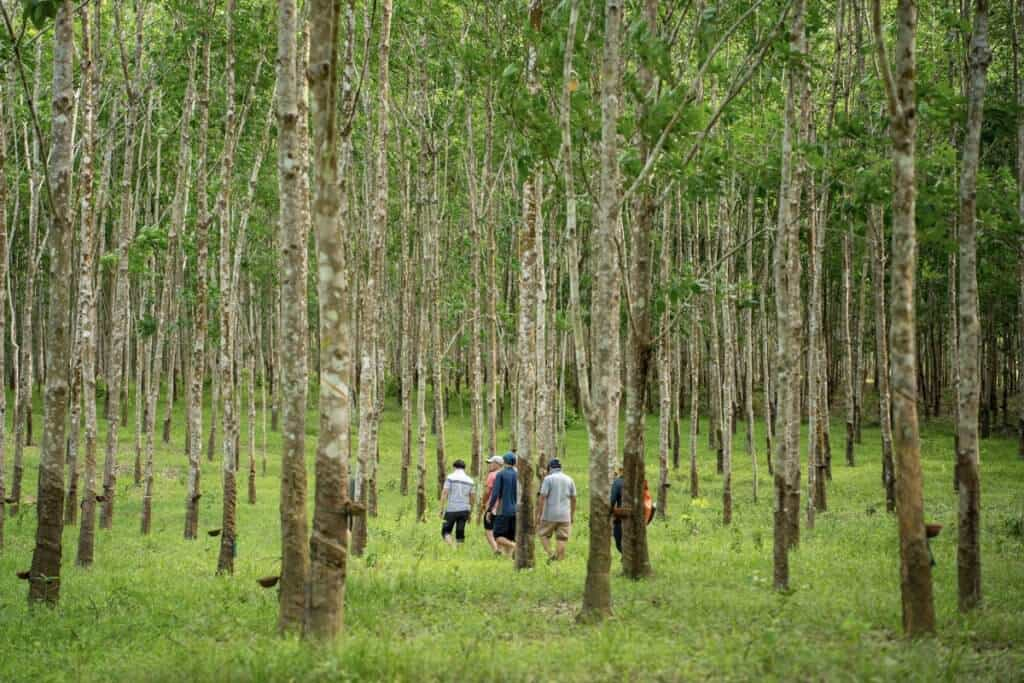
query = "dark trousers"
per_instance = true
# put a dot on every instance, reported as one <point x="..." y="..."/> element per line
<point x="457" y="521"/>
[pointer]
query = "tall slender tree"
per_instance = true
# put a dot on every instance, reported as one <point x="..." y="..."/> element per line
<point x="86" y="294"/>
<point x="372" y="292"/>
<point x="44" y="576"/>
<point x="168" y="291"/>
<point x="126" y="229"/>
<point x="967" y="457"/>
<point x="291" y="164"/>
<point x="226" y="354"/>
<point x="787" y="278"/>
<point x="915" y="568"/>
<point x="199" y="317"/>
<point x="325" y="591"/>
<point x="1018" y="81"/>
<point x="597" y="598"/>
<point x="4" y="247"/>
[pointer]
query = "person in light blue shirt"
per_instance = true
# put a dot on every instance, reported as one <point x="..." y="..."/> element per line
<point x="556" y="509"/>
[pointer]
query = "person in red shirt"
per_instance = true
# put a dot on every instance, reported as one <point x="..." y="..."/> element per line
<point x="494" y="464"/>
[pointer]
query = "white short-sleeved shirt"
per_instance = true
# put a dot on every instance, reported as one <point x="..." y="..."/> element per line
<point x="459" y="486"/>
<point x="558" y="488"/>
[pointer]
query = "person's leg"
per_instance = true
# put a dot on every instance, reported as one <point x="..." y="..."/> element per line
<point x="446" y="528"/>
<point x="505" y="533"/>
<point x="617" y="533"/>
<point x="546" y="542"/>
<point x="460" y="527"/>
<point x="489" y="531"/>
<point x="561" y="538"/>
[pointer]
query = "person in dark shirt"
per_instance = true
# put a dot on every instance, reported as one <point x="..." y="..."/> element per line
<point x="620" y="512"/>
<point x="616" y="504"/>
<point x="503" y="504"/>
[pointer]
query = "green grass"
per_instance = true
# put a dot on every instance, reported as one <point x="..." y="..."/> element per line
<point x="152" y="609"/>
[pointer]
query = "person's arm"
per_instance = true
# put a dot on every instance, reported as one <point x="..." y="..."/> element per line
<point x="444" y="499"/>
<point x="540" y="508"/>
<point x="495" y="495"/>
<point x="572" y="509"/>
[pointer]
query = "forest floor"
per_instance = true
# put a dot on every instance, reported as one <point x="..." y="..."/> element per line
<point x="152" y="609"/>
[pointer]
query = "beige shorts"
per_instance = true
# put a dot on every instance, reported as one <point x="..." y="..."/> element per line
<point x="560" y="530"/>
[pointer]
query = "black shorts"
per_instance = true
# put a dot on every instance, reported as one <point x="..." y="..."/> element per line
<point x="457" y="521"/>
<point x="488" y="521"/>
<point x="505" y="527"/>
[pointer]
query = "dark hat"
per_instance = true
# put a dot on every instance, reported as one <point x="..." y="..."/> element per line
<point x="554" y="464"/>
<point x="459" y="464"/>
<point x="509" y="458"/>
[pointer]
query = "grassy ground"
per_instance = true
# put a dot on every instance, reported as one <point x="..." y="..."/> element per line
<point x="152" y="609"/>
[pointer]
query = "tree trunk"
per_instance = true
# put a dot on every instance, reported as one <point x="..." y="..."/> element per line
<point x="325" y="591"/>
<point x="44" y="576"/>
<point x="120" y="303"/>
<point x="171" y="267"/>
<point x="4" y="248"/>
<point x="694" y="346"/>
<point x="526" y="352"/>
<point x="728" y="363"/>
<point x="665" y="393"/>
<point x="858" y="348"/>
<point x="967" y="457"/>
<point x="370" y="351"/>
<point x="815" y="454"/>
<point x="475" y="360"/>
<point x="410" y="332"/>
<point x="24" y="390"/>
<point x="437" y="352"/>
<point x="250" y="380"/>
<point x="225" y="358"/>
<point x="1018" y="79"/>
<point x="748" y="349"/>
<point x="294" y="228"/>
<point x="915" y="568"/>
<point x="882" y="357"/>
<point x="715" y="403"/>
<point x="849" y="379"/>
<point x="766" y="356"/>
<point x="787" y="279"/>
<point x="597" y="599"/>
<point x="636" y="562"/>
<point x="198" y="351"/>
<point x="421" y="403"/>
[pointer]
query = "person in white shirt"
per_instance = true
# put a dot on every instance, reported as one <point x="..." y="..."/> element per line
<point x="456" y="503"/>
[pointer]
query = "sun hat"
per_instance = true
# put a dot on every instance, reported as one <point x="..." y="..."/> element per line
<point x="495" y="460"/>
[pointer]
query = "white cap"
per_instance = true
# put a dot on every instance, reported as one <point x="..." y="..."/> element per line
<point x="495" y="460"/>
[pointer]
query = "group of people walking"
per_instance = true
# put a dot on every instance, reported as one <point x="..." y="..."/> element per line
<point x="556" y="506"/>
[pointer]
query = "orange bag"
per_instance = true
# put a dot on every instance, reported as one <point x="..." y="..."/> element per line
<point x="648" y="504"/>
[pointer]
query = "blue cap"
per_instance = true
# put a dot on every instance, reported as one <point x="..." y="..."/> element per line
<point x="554" y="464"/>
<point x="509" y="458"/>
